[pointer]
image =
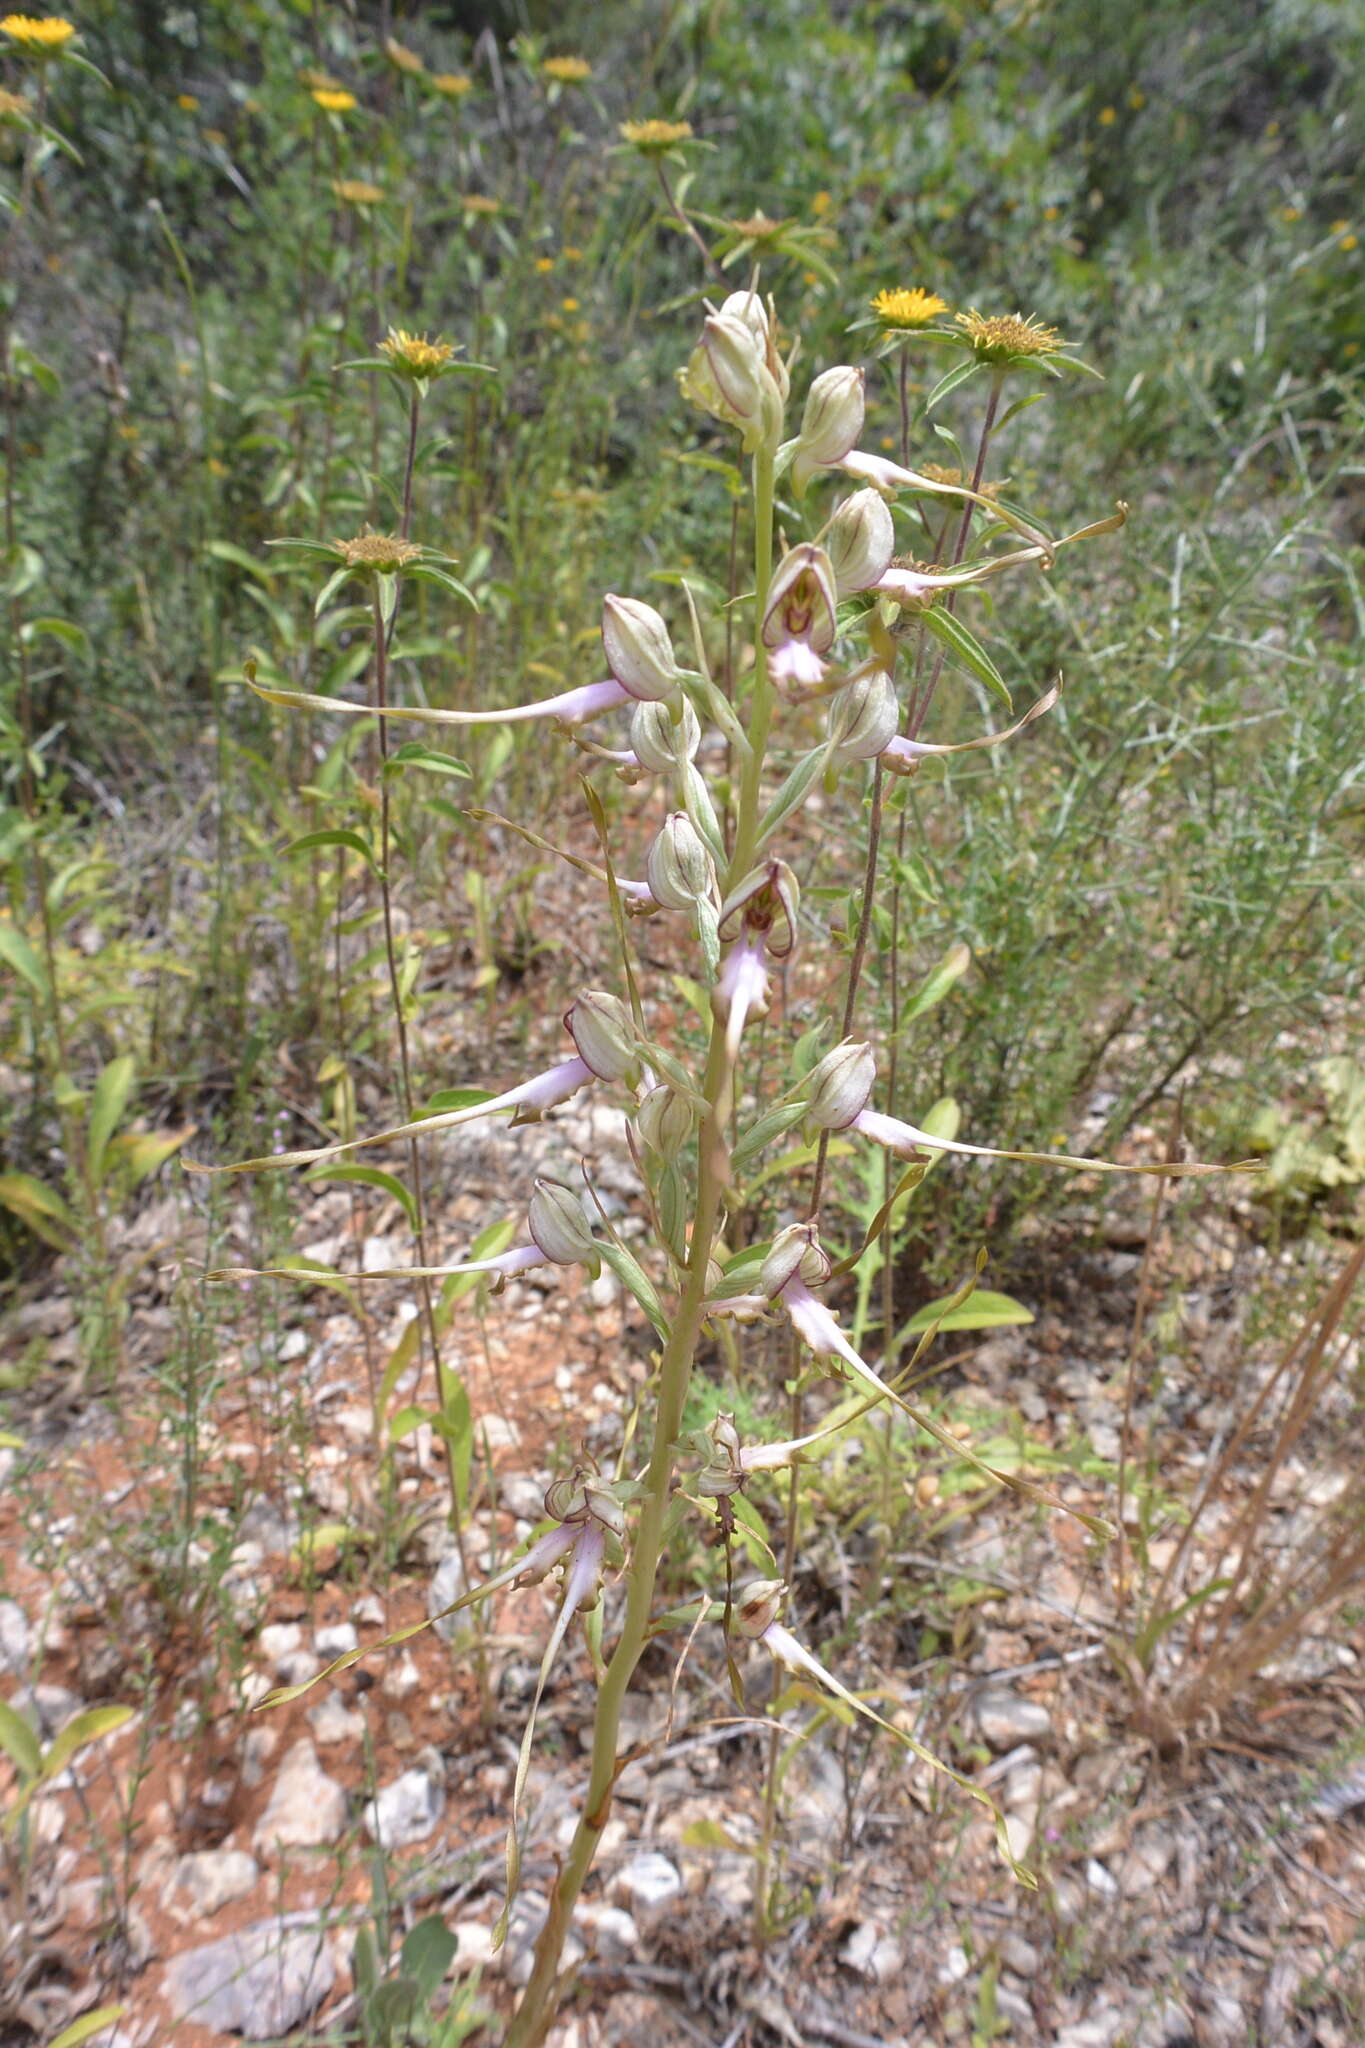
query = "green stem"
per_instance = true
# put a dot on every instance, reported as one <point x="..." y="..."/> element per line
<point x="536" y="2012"/>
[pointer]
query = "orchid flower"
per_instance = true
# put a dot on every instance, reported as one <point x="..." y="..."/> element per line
<point x="603" y="1034"/>
<point x="901" y="755"/>
<point x="755" y="1618"/>
<point x="799" y="619"/>
<point x="907" y="585"/>
<point x="889" y="477"/>
<point x="640" y="658"/>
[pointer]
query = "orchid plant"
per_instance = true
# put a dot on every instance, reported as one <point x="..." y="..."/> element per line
<point x="837" y="615"/>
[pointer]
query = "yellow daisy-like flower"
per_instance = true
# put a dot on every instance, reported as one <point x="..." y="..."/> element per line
<point x="652" y="138"/>
<point x="571" y="254"/>
<point x="385" y="553"/>
<point x="357" y="192"/>
<point x="997" y="338"/>
<point x="333" y="100"/>
<point x="1107" y="117"/>
<point x="568" y="305"/>
<point x="187" y="102"/>
<point x="821" y="204"/>
<point x="567" y="70"/>
<point x="413" y="354"/>
<point x="915" y="308"/>
<point x="38" y="35"/>
<point x="1137" y="98"/>
<point x="1291" y="213"/>
<point x="1348" y="242"/>
<point x="319" y="81"/>
<point x="545" y="264"/>
<point x="402" y="58"/>
<point x="454" y="84"/>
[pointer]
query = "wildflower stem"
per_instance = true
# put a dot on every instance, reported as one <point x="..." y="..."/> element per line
<point x="950" y="602"/>
<point x="443" y="1389"/>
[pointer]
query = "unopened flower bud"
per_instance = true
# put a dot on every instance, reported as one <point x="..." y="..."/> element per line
<point x="864" y="718"/>
<point x="660" y="743"/>
<point x="839" y="1085"/>
<point x="604" y="1032"/>
<point x="860" y="541"/>
<point x="559" y="1224"/>
<point x="737" y="360"/>
<point x="758" y="1607"/>
<point x="638" y="650"/>
<point x="830" y="425"/>
<point x="678" y="867"/>
<point x="795" y="1250"/>
<point x="665" y="1121"/>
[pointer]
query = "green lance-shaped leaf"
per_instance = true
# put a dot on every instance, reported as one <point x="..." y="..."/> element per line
<point x="967" y="648"/>
<point x="107" y="1105"/>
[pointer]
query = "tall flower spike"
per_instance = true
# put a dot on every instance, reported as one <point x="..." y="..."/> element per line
<point x="799" y="619"/>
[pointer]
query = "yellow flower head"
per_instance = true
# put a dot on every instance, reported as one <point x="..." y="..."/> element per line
<point x="544" y="264"/>
<point x="454" y="84"/>
<point x="357" y="192"/>
<point x="652" y="138"/>
<point x="1001" y="337"/>
<point x="1291" y="213"/>
<point x="938" y="474"/>
<point x="402" y="58"/>
<point x="1107" y="117"/>
<point x="413" y="355"/>
<point x="187" y="102"/>
<point x="915" y="308"/>
<point x="384" y="553"/>
<point x="571" y="254"/>
<point x="38" y="35"/>
<point x="568" y="305"/>
<point x="333" y="100"/>
<point x="821" y="204"/>
<point x="567" y="70"/>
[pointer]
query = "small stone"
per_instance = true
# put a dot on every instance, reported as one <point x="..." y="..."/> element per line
<point x="649" y="1881"/>
<point x="335" y="1640"/>
<point x="956" y="1965"/>
<point x="307" y="1808"/>
<point x="279" y="1639"/>
<point x="870" y="1952"/>
<point x="473" y="1946"/>
<point x="210" y="1879"/>
<point x="1099" y="1879"/>
<point x="448" y="1583"/>
<point x="1005" y="1719"/>
<point x="405" y="1811"/>
<point x="258" y="1746"/>
<point x="609" y="1930"/>
<point x="368" y="1611"/>
<point x="14" y="1638"/>
<point x="1019" y="1955"/>
<point x="332" y="1722"/>
<point x="402" y="1679"/>
<point x="518" y="1494"/>
<point x="498" y="1432"/>
<point x="1019" y="1832"/>
<point x="259" y="1983"/>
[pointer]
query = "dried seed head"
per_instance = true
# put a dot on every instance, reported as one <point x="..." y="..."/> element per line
<point x="383" y="553"/>
<point x="1003" y="338"/>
